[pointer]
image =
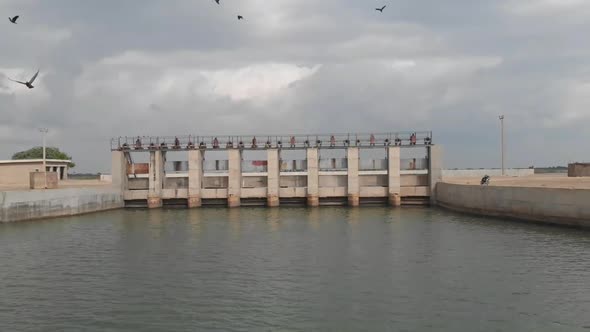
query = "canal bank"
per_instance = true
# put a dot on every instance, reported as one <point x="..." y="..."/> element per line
<point x="37" y="204"/>
<point x="552" y="201"/>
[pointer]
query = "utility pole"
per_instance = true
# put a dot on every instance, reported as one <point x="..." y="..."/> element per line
<point x="501" y="117"/>
<point x="44" y="132"/>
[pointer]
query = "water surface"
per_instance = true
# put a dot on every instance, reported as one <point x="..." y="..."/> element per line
<point x="292" y="269"/>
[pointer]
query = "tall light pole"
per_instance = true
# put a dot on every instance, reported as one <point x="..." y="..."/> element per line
<point x="501" y="117"/>
<point x="44" y="132"/>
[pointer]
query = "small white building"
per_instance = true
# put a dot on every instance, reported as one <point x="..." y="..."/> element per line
<point x="16" y="172"/>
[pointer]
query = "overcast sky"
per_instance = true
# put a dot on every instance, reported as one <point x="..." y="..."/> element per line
<point x="116" y="68"/>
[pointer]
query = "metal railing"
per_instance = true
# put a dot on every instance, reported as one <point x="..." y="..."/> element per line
<point x="187" y="142"/>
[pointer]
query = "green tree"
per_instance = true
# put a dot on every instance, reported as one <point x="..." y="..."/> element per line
<point x="37" y="153"/>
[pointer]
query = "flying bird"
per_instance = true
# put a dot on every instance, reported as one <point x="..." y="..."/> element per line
<point x="240" y="17"/>
<point x="28" y="84"/>
<point x="381" y="9"/>
<point x="13" y="19"/>
<point x="217" y="1"/>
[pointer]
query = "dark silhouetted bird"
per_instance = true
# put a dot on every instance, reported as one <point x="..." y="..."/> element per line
<point x="217" y="1"/>
<point x="485" y="180"/>
<point x="240" y="17"/>
<point x="13" y="19"/>
<point x="381" y="9"/>
<point x="28" y="84"/>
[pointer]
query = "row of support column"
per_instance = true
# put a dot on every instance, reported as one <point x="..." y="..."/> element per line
<point x="195" y="162"/>
<point x="195" y="176"/>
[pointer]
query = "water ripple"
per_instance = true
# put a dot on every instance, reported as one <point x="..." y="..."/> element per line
<point x="334" y="269"/>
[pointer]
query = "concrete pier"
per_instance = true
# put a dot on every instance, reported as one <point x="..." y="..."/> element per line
<point x="195" y="177"/>
<point x="156" y="175"/>
<point x="119" y="170"/>
<point x="353" y="176"/>
<point x="435" y="170"/>
<point x="313" y="178"/>
<point x="393" y="176"/>
<point x="331" y="171"/>
<point x="234" y="183"/>
<point x="273" y="179"/>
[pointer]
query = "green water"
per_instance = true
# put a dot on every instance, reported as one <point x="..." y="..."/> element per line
<point x="292" y="269"/>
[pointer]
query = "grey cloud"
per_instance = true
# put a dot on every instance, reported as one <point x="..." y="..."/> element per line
<point x="115" y="68"/>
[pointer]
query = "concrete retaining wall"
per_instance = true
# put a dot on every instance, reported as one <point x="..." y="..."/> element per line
<point x="28" y="205"/>
<point x="549" y="205"/>
<point x="489" y="171"/>
<point x="578" y="169"/>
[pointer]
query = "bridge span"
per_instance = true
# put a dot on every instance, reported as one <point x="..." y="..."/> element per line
<point x="272" y="170"/>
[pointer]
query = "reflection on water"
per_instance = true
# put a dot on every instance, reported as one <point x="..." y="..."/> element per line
<point x="338" y="269"/>
<point x="193" y="218"/>
<point x="353" y="216"/>
<point x="233" y="217"/>
<point x="273" y="219"/>
<point x="313" y="217"/>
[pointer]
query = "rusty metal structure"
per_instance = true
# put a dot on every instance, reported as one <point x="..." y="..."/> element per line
<point x="295" y="141"/>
